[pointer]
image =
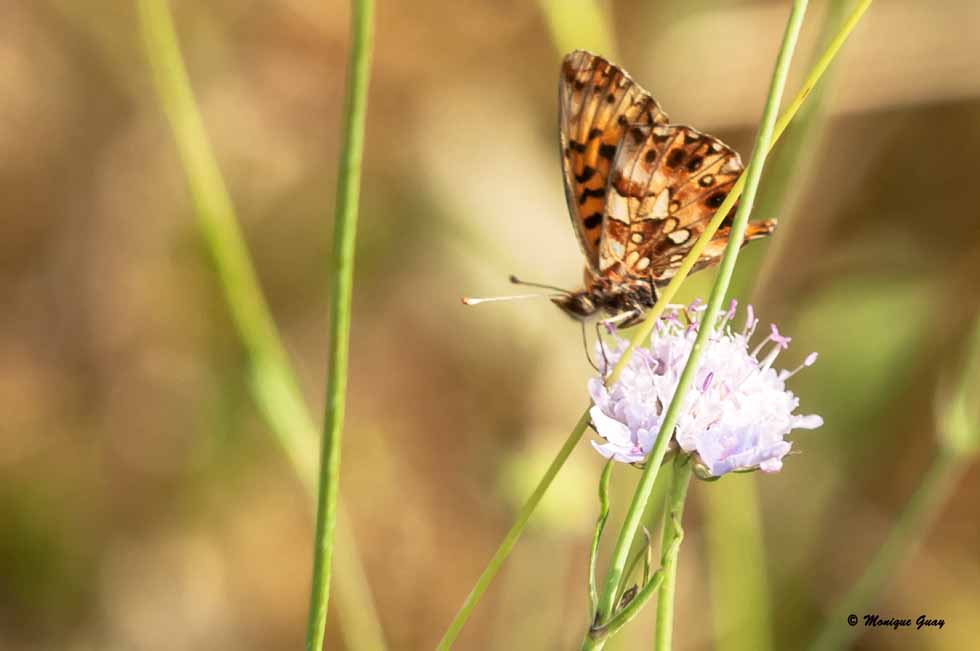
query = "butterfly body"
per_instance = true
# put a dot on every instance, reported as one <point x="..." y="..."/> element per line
<point x="640" y="190"/>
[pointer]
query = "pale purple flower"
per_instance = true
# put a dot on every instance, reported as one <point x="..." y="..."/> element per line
<point x="736" y="414"/>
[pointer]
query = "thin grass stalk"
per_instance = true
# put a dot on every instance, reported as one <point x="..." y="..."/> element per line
<point x="642" y="332"/>
<point x="341" y="288"/>
<point x="271" y="378"/>
<point x="752" y="176"/>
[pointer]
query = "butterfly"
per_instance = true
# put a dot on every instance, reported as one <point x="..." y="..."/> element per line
<point x="640" y="190"/>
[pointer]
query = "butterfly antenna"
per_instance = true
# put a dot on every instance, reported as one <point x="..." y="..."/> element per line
<point x="517" y="281"/>
<point x="469" y="300"/>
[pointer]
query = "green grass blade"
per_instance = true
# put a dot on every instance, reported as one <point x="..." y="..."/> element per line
<point x="341" y="288"/>
<point x="272" y="380"/>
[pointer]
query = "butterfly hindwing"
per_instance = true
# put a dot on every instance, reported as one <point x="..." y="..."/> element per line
<point x="598" y="104"/>
<point x="666" y="183"/>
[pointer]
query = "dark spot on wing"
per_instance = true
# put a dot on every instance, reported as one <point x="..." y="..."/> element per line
<point x="607" y="151"/>
<point x="585" y="175"/>
<point x="597" y="193"/>
<point x="715" y="200"/>
<point x="675" y="157"/>
<point x="593" y="220"/>
<point x="650" y="156"/>
<point x="694" y="164"/>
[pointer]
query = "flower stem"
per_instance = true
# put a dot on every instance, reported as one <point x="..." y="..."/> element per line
<point x="342" y="280"/>
<point x="673" y="513"/>
<point x="272" y="381"/>
<point x="752" y="176"/>
<point x="597" y="535"/>
<point x="596" y="637"/>
<point x="643" y="330"/>
<point x="924" y="505"/>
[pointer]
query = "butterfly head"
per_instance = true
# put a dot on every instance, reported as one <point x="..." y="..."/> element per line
<point x="579" y="305"/>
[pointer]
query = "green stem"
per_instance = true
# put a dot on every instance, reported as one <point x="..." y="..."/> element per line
<point x="675" y="510"/>
<point x="643" y="330"/>
<point x="342" y="280"/>
<point x="925" y="504"/>
<point x="597" y="637"/>
<point x="752" y="177"/>
<point x="597" y="535"/>
<point x="510" y="539"/>
<point x="271" y="378"/>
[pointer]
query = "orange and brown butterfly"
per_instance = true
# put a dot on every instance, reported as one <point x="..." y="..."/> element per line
<point x="640" y="190"/>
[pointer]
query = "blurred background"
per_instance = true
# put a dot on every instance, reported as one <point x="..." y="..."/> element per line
<point x="144" y="503"/>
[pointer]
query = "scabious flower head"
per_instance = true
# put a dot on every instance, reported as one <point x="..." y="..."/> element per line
<point x="736" y="414"/>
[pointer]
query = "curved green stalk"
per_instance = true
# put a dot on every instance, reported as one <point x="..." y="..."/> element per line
<point x="272" y="381"/>
<point x="643" y="331"/>
<point x="341" y="287"/>
<point x="596" y="637"/>
<point x="670" y="540"/>
<point x="597" y="535"/>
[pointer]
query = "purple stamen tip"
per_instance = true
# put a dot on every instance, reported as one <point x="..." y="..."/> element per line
<point x="707" y="381"/>
<point x="749" y="317"/>
<point x="781" y="341"/>
<point x="610" y="327"/>
<point x="810" y="359"/>
<point x="731" y="309"/>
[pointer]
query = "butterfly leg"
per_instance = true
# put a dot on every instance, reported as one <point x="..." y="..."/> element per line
<point x="585" y="345"/>
<point x="602" y="349"/>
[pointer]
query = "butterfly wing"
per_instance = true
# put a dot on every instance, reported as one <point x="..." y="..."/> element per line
<point x="597" y="102"/>
<point x="666" y="183"/>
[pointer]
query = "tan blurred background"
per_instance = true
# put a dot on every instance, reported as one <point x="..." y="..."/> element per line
<point x="143" y="502"/>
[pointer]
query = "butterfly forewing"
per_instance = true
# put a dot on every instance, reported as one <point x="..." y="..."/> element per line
<point x="598" y="104"/>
